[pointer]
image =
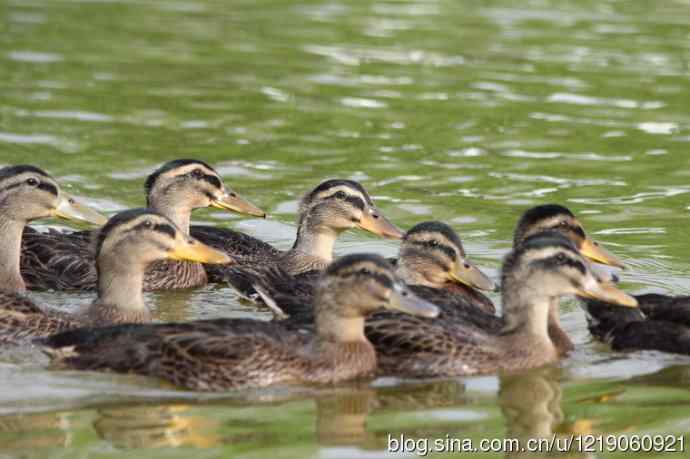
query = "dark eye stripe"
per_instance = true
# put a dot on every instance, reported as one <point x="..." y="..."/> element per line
<point x="382" y="279"/>
<point x="354" y="200"/>
<point x="49" y="187"/>
<point x="573" y="228"/>
<point x="554" y="263"/>
<point x="162" y="228"/>
<point x="9" y="187"/>
<point x="213" y="180"/>
<point x="428" y="245"/>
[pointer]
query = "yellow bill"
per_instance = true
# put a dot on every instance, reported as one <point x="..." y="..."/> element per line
<point x="374" y="222"/>
<point x="403" y="300"/>
<point x="69" y="209"/>
<point x="597" y="253"/>
<point x="467" y="273"/>
<point x="608" y="293"/>
<point x="193" y="250"/>
<point x="235" y="203"/>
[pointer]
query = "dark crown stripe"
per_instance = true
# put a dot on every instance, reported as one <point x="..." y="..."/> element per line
<point x="170" y="165"/>
<point x="435" y="227"/>
<point x="328" y="184"/>
<point x="435" y="245"/>
<point x="10" y="171"/>
<point x="118" y="219"/>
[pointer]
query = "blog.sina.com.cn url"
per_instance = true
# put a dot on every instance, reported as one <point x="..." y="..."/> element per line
<point x="634" y="443"/>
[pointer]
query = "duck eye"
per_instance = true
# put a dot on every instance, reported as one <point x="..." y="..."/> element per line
<point x="197" y="174"/>
<point x="31" y="181"/>
<point x="434" y="243"/>
<point x="561" y="258"/>
<point x="365" y="272"/>
<point x="340" y="195"/>
<point x="148" y="224"/>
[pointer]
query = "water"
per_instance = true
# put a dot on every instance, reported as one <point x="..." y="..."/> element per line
<point x="466" y="112"/>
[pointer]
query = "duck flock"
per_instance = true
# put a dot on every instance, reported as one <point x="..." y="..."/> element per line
<point x="421" y="314"/>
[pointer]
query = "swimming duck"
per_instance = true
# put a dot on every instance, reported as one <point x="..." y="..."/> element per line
<point x="331" y="208"/>
<point x="534" y="277"/>
<point x="559" y="219"/>
<point x="432" y="262"/>
<point x="222" y="354"/>
<point x="28" y="193"/>
<point x="291" y="296"/>
<point x="661" y="324"/>
<point x="65" y="261"/>
<point x="124" y="247"/>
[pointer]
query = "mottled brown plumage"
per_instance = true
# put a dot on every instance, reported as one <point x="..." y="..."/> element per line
<point x="535" y="276"/>
<point x="233" y="353"/>
<point x="466" y="340"/>
<point x="129" y="242"/>
<point x="64" y="261"/>
<point x="431" y="255"/>
<point x="331" y="208"/>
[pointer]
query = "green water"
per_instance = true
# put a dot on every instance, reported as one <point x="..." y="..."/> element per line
<point x="462" y="111"/>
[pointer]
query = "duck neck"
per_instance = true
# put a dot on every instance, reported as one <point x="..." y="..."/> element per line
<point x="315" y="241"/>
<point x="413" y="276"/>
<point x="526" y="311"/>
<point x="177" y="211"/>
<point x="120" y="283"/>
<point x="335" y="328"/>
<point x="10" y="251"/>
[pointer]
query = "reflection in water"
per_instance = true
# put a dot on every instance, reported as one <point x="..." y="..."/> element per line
<point x="531" y="404"/>
<point x="155" y="427"/>
<point x="341" y="419"/>
<point x="43" y="430"/>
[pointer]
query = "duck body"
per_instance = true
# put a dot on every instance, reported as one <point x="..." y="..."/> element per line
<point x="218" y="354"/>
<point x="661" y="324"/>
<point x="332" y="207"/>
<point x="65" y="260"/>
<point x="243" y="248"/>
<point x="468" y="341"/>
<point x="226" y="354"/>
<point x="128" y="243"/>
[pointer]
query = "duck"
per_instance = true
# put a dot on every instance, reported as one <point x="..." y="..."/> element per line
<point x="552" y="217"/>
<point x="29" y="193"/>
<point x="222" y="354"/>
<point x="332" y="207"/>
<point x="431" y="261"/>
<point x="535" y="275"/>
<point x="662" y="323"/>
<point x="290" y="297"/>
<point x="65" y="261"/>
<point x="124" y="247"/>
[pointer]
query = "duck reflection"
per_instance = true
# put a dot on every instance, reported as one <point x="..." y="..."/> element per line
<point x="341" y="418"/>
<point x="156" y="427"/>
<point x="531" y="404"/>
<point x="43" y="430"/>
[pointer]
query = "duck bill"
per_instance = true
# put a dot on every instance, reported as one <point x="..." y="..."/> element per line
<point x="608" y="293"/>
<point x="466" y="273"/>
<point x="597" y="253"/>
<point x="235" y="203"/>
<point x="374" y="222"/>
<point x="193" y="250"/>
<point x="69" y="209"/>
<point x="403" y="300"/>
